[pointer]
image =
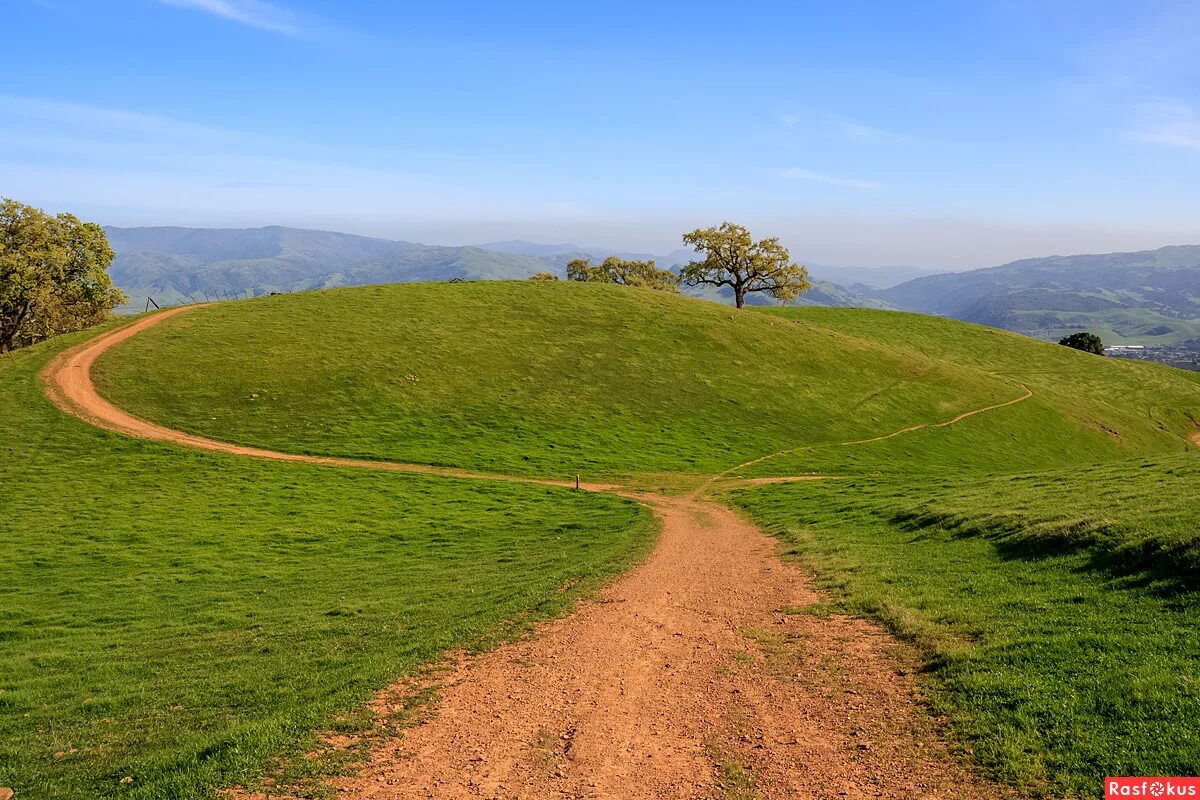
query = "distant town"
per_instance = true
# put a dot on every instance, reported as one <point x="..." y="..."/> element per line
<point x="1185" y="355"/>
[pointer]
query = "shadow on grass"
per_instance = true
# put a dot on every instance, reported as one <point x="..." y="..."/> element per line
<point x="1165" y="568"/>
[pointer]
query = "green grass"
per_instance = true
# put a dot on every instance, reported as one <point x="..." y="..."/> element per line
<point x="1085" y="409"/>
<point x="186" y="619"/>
<point x="559" y="379"/>
<point x="1058" y="610"/>
<point x="1043" y="555"/>
<point x="528" y="378"/>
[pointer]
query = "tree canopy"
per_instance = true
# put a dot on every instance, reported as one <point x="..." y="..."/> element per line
<point x="53" y="275"/>
<point x="1087" y="342"/>
<point x="732" y="258"/>
<point x="624" y="272"/>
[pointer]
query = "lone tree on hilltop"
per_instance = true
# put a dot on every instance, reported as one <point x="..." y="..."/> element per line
<point x="53" y="275"/>
<point x="623" y="272"/>
<point x="732" y="258"/>
<point x="1087" y="342"/>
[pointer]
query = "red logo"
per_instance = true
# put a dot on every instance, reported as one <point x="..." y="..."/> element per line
<point x="1151" y="787"/>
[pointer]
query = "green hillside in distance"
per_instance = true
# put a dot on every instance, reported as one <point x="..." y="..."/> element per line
<point x="180" y="265"/>
<point x="562" y="379"/>
<point x="1146" y="297"/>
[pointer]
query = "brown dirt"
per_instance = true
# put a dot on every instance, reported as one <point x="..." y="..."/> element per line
<point x="708" y="672"/>
<point x="700" y="674"/>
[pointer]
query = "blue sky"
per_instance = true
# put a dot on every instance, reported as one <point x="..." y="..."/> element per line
<point x="939" y="134"/>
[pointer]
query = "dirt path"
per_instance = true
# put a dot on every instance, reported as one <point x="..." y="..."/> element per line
<point x="697" y="675"/>
<point x="704" y="673"/>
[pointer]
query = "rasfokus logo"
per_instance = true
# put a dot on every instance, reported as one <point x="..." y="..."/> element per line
<point x="1151" y="787"/>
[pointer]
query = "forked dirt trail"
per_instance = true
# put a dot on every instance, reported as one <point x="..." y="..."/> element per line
<point x="697" y="675"/>
<point x="707" y="672"/>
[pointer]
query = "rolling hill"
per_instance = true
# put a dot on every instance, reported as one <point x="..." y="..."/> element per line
<point x="186" y="619"/>
<point x="182" y="265"/>
<point x="406" y="372"/>
<point x="1014" y="509"/>
<point x="1148" y="297"/>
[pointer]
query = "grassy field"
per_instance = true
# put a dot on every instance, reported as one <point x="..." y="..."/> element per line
<point x="528" y="378"/>
<point x="559" y="379"/>
<point x="1051" y="582"/>
<point x="1085" y="409"/>
<point x="1058" y="610"/>
<point x="184" y="619"/>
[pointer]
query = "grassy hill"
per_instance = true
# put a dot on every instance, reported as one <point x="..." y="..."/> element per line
<point x="1085" y="408"/>
<point x="187" y="619"/>
<point x="1041" y="554"/>
<point x="558" y="379"/>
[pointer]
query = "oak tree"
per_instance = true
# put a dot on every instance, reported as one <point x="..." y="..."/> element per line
<point x="1087" y="342"/>
<point x="732" y="258"/>
<point x="53" y="275"/>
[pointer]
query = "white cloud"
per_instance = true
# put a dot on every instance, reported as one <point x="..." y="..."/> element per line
<point x="832" y="180"/>
<point x="792" y="122"/>
<point x="255" y="13"/>
<point x="1170" y="123"/>
<point x="865" y="133"/>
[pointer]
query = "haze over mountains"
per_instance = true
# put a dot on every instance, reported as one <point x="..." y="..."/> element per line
<point x="1149" y="297"/>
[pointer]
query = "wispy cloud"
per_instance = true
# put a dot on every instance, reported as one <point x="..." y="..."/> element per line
<point x="1170" y="123"/>
<point x="842" y="127"/>
<point x="832" y="180"/>
<point x="866" y="133"/>
<point x="255" y="13"/>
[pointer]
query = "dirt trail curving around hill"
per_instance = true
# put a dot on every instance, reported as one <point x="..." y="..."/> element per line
<point x="68" y="382"/>
<point x="710" y="671"/>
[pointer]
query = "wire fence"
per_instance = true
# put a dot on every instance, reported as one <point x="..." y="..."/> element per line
<point x="170" y="298"/>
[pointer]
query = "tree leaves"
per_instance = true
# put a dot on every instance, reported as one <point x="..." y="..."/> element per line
<point x="732" y="258"/>
<point x="53" y="275"/>
<point x="627" y="273"/>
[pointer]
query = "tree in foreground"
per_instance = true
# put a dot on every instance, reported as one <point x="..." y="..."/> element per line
<point x="53" y="275"/>
<point x="626" y="273"/>
<point x="1087" y="342"/>
<point x="732" y="258"/>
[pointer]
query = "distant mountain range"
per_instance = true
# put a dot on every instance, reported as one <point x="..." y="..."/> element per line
<point x="1148" y="297"/>
<point x="174" y="265"/>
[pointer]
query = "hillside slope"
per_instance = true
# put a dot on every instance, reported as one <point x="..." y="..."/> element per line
<point x="188" y="619"/>
<point x="175" y="264"/>
<point x="1150" y="296"/>
<point x="1085" y="408"/>
<point x="559" y="379"/>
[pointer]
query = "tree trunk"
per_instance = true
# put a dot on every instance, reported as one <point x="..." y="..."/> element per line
<point x="739" y="297"/>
